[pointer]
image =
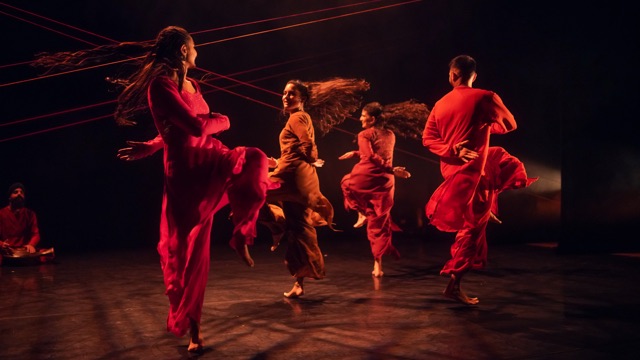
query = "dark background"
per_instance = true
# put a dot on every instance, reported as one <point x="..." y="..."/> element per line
<point x="567" y="72"/>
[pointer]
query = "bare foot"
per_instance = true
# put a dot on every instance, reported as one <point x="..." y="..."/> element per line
<point x="197" y="346"/>
<point x="243" y="252"/>
<point x="460" y="296"/>
<point x="361" y="221"/>
<point x="377" y="268"/>
<point x="196" y="343"/>
<point x="295" y="292"/>
<point x="276" y="241"/>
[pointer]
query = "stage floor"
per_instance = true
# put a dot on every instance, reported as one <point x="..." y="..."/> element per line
<point x="534" y="304"/>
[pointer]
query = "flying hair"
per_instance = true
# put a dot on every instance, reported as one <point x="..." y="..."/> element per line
<point x="406" y="119"/>
<point x="331" y="101"/>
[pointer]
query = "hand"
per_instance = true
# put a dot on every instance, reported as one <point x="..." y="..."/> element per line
<point x="30" y="248"/>
<point x="347" y="155"/>
<point x="318" y="163"/>
<point x="464" y="153"/>
<point x="137" y="150"/>
<point x="401" y="172"/>
<point x="272" y="162"/>
<point x="5" y="249"/>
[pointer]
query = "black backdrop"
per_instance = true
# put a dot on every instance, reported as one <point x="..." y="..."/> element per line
<point x="566" y="72"/>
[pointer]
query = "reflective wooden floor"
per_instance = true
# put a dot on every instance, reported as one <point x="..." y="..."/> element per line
<point x="534" y="304"/>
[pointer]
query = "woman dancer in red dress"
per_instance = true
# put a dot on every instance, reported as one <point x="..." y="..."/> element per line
<point x="201" y="175"/>
<point x="369" y="187"/>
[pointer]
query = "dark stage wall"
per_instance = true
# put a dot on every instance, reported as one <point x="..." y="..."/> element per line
<point x="559" y="70"/>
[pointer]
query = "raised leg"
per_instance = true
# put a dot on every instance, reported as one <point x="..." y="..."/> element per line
<point x="247" y="194"/>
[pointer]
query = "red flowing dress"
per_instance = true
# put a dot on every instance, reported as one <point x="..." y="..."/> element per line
<point x="469" y="193"/>
<point x="369" y="188"/>
<point x="201" y="175"/>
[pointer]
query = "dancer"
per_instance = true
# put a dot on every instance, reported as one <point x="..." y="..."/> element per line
<point x="458" y="131"/>
<point x="201" y="175"/>
<point x="369" y="187"/>
<point x="323" y="104"/>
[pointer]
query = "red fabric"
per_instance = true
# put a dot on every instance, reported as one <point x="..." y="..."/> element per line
<point x="369" y="188"/>
<point x="19" y="228"/>
<point x="463" y="202"/>
<point x="201" y="175"/>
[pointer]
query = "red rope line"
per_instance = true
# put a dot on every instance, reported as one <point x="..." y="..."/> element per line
<point x="209" y="72"/>
<point x="48" y="28"/>
<point x="16" y="64"/>
<point x="57" y="113"/>
<point x="306" y="23"/>
<point x="55" y="128"/>
<point x="217" y="41"/>
<point x="58" y="22"/>
<point x="67" y="72"/>
<point x="282" y="17"/>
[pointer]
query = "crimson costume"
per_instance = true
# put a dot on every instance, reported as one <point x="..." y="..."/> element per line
<point x="369" y="188"/>
<point x="201" y="175"/>
<point x="463" y="203"/>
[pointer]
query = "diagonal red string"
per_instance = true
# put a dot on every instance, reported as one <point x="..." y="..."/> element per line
<point x="223" y="40"/>
<point x="48" y="28"/>
<point x="58" y="22"/>
<point x="282" y="17"/>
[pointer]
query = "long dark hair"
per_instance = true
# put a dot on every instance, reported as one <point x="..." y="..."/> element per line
<point x="329" y="102"/>
<point x="153" y="58"/>
<point x="406" y="119"/>
<point x="164" y="58"/>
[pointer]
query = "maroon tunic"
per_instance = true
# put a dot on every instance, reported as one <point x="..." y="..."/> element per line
<point x="19" y="228"/>
<point x="369" y="188"/>
<point x="201" y="175"/>
<point x="464" y="201"/>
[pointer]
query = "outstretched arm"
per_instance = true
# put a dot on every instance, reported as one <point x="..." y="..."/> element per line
<point x="349" y="155"/>
<point x="140" y="149"/>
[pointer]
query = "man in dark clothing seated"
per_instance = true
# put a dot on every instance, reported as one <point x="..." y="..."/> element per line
<point x="19" y="233"/>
